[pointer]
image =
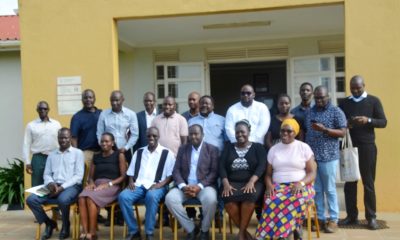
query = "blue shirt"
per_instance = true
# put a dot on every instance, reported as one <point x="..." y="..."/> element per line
<point x="213" y="127"/>
<point x="301" y="112"/>
<point x="121" y="124"/>
<point x="325" y="148"/>
<point x="189" y="116"/>
<point x="84" y="127"/>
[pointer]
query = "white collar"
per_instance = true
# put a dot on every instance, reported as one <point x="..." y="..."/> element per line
<point x="360" y="98"/>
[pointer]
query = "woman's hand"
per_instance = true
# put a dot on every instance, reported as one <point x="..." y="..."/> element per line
<point x="228" y="190"/>
<point x="270" y="191"/>
<point x="90" y="186"/>
<point x="249" y="187"/>
<point x="102" y="186"/>
<point x="297" y="188"/>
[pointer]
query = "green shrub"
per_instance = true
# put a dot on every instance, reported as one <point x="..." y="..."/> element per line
<point x="12" y="183"/>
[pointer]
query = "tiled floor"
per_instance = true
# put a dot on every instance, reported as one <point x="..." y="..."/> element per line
<point x="19" y="225"/>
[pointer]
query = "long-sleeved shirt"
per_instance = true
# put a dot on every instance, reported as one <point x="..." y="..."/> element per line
<point x="118" y="123"/>
<point x="213" y="127"/>
<point x="368" y="106"/>
<point x="40" y="137"/>
<point x="148" y="166"/>
<point x="257" y="114"/>
<point x="65" y="168"/>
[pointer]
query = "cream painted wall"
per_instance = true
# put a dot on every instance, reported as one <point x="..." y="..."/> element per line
<point x="11" y="124"/>
<point x="373" y="50"/>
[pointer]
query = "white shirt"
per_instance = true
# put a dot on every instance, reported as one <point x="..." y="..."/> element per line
<point x="65" y="168"/>
<point x="257" y="114"/>
<point x="150" y="117"/>
<point x="149" y="165"/>
<point x="360" y="98"/>
<point x="194" y="160"/>
<point x="40" y="137"/>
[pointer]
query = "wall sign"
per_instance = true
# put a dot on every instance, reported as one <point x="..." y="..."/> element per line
<point x="69" y="95"/>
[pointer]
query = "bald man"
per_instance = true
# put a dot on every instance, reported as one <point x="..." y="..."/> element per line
<point x="364" y="113"/>
<point x="193" y="103"/>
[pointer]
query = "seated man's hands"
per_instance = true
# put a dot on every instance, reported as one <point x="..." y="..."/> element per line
<point x="54" y="189"/>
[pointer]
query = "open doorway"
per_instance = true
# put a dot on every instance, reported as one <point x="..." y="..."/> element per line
<point x="226" y="79"/>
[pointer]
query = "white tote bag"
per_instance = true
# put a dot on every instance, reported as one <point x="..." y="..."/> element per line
<point x="349" y="170"/>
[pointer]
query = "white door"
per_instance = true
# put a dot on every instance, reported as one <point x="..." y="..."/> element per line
<point x="178" y="79"/>
<point x="317" y="70"/>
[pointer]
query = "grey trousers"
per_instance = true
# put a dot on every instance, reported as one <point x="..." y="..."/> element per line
<point x="208" y="199"/>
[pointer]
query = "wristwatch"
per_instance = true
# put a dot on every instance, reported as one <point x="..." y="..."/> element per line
<point x="110" y="184"/>
<point x="302" y="183"/>
<point x="369" y="120"/>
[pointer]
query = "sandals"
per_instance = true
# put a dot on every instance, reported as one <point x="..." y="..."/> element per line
<point x="83" y="236"/>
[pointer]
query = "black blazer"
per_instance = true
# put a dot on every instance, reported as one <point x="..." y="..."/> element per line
<point x="142" y="139"/>
<point x="207" y="166"/>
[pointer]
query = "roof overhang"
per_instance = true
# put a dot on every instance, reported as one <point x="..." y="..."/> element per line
<point x="13" y="45"/>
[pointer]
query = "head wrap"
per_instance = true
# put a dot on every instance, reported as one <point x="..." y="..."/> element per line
<point x="292" y="123"/>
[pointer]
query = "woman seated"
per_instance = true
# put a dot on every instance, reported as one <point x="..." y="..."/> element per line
<point x="242" y="166"/>
<point x="273" y="135"/>
<point x="291" y="171"/>
<point x="106" y="174"/>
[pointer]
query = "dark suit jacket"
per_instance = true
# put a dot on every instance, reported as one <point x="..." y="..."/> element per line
<point x="207" y="166"/>
<point x="142" y="139"/>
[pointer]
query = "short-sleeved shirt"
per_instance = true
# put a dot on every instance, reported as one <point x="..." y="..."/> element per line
<point x="325" y="148"/>
<point x="171" y="130"/>
<point x="289" y="161"/>
<point x="84" y="127"/>
<point x="213" y="127"/>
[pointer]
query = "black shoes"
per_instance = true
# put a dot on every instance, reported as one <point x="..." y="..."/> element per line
<point x="372" y="224"/>
<point x="348" y="221"/>
<point x="192" y="235"/>
<point x="50" y="226"/>
<point x="64" y="234"/>
<point x="204" y="235"/>
<point x="149" y="237"/>
<point x="134" y="236"/>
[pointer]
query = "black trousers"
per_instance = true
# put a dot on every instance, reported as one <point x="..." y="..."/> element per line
<point x="367" y="161"/>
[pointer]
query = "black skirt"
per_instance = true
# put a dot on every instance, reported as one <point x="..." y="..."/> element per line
<point x="239" y="196"/>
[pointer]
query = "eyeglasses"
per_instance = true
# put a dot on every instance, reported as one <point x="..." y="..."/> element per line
<point x="42" y="108"/>
<point x="246" y="93"/>
<point x="288" y="131"/>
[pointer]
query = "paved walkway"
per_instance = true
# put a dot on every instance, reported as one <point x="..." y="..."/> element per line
<point x="19" y="225"/>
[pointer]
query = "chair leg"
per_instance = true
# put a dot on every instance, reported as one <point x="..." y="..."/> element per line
<point x="112" y="222"/>
<point x="161" y="218"/>
<point x="124" y="230"/>
<point x="314" y="209"/>
<point x="38" y="230"/>
<point x="138" y="220"/>
<point x="213" y="229"/>
<point x="175" y="229"/>
<point x="223" y="225"/>
<point x="230" y="225"/>
<point x="308" y="222"/>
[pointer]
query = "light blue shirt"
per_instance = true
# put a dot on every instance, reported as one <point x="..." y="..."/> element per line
<point x="213" y="127"/>
<point x="194" y="160"/>
<point x="118" y="124"/>
<point x="360" y="98"/>
<point x="65" y="168"/>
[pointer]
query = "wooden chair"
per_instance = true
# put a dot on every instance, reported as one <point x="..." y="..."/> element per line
<point x="50" y="207"/>
<point x="139" y="221"/>
<point x="195" y="203"/>
<point x="311" y="211"/>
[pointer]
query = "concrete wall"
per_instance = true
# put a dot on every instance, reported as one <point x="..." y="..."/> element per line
<point x="11" y="124"/>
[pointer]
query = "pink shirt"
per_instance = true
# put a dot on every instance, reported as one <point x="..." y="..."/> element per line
<point x="171" y="129"/>
<point x="289" y="161"/>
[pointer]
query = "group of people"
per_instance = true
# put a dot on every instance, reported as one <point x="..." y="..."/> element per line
<point x="244" y="161"/>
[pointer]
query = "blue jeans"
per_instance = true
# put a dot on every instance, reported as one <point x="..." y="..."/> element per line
<point x="151" y="199"/>
<point x="325" y="186"/>
<point x="64" y="200"/>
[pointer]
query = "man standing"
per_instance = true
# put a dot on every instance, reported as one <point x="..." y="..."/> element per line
<point x="255" y="112"/>
<point x="149" y="175"/>
<point x="364" y="113"/>
<point x="40" y="139"/>
<point x="84" y="126"/>
<point x="63" y="177"/>
<point x="325" y="124"/>
<point x="145" y="118"/>
<point x="121" y="122"/>
<point x="195" y="175"/>
<point x="213" y="124"/>
<point x="306" y="94"/>
<point x="172" y="126"/>
<point x="193" y="103"/>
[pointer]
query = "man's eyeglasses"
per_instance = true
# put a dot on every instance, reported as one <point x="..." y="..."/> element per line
<point x="246" y="93"/>
<point x="286" y="131"/>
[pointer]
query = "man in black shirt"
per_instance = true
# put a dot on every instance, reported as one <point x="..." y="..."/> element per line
<point x="364" y="113"/>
